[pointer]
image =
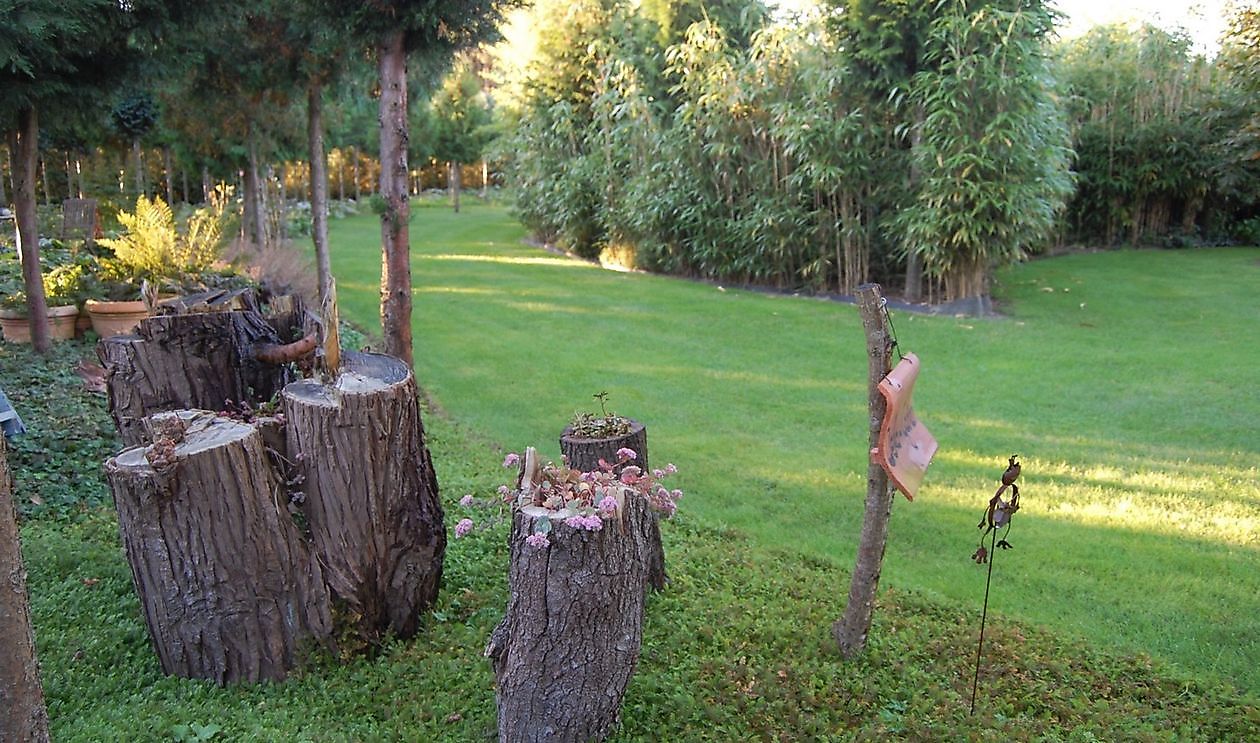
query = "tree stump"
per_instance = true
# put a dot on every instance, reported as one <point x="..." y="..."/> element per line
<point x="584" y="454"/>
<point x="567" y="647"/>
<point x="21" y="695"/>
<point x="193" y="361"/>
<point x="227" y="584"/>
<point x="370" y="491"/>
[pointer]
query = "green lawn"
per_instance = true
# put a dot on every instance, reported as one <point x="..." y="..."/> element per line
<point x="1126" y="380"/>
<point x="1138" y="534"/>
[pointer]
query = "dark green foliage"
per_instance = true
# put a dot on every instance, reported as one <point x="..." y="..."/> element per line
<point x="135" y="115"/>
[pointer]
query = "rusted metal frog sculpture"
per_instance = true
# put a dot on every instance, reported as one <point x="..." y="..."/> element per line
<point x="999" y="512"/>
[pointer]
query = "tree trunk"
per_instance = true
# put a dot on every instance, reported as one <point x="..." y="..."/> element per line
<point x="205" y="184"/>
<point x="456" y="182"/>
<point x="568" y="644"/>
<point x="319" y="185"/>
<point x="4" y="190"/>
<point x="169" y="169"/>
<point x="138" y="164"/>
<point x="851" y="631"/>
<point x="395" y="238"/>
<point x="485" y="177"/>
<point x="43" y="179"/>
<point x="371" y="493"/>
<point x="197" y="361"/>
<point x="584" y="454"/>
<point x="227" y="585"/>
<point x="354" y="173"/>
<point x="25" y="161"/>
<point x="21" y="695"/>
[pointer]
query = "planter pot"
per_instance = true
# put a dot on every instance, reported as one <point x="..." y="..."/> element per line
<point x="115" y="318"/>
<point x="60" y="319"/>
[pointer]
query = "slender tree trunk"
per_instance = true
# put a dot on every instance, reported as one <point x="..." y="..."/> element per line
<point x="170" y="174"/>
<point x="851" y="631"/>
<point x="395" y="237"/>
<point x="485" y="177"/>
<point x="456" y="178"/>
<point x="78" y="170"/>
<point x="43" y="177"/>
<point x="26" y="161"/>
<point x="139" y="165"/>
<point x="319" y="185"/>
<point x="69" y="176"/>
<point x="255" y="201"/>
<point x="205" y="184"/>
<point x="21" y="694"/>
<point x="4" y="188"/>
<point x="354" y="172"/>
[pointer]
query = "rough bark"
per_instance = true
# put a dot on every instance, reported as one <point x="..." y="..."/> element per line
<point x="370" y="492"/>
<point x="319" y="185"/>
<point x="21" y="695"/>
<point x="567" y="647"/>
<point x="25" y="161"/>
<point x="395" y="237"/>
<point x="227" y="585"/>
<point x="584" y="454"/>
<point x="197" y="361"/>
<point x="851" y="630"/>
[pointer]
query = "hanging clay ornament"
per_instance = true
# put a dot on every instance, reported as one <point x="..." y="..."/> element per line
<point x="905" y="446"/>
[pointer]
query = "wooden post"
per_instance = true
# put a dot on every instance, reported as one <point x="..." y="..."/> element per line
<point x="21" y="695"/>
<point x="851" y="630"/>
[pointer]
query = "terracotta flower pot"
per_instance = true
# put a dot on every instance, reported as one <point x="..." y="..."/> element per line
<point x="60" y="319"/>
<point x="110" y="318"/>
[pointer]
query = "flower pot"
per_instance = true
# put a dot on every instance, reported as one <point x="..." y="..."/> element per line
<point x="60" y="319"/>
<point x="110" y="318"/>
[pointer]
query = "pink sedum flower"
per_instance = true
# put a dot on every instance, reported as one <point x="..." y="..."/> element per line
<point x="466" y="501"/>
<point x="512" y="459"/>
<point x="538" y="541"/>
<point x="589" y="523"/>
<point x="463" y="527"/>
<point x="626" y="453"/>
<point x="630" y="475"/>
<point x="608" y="506"/>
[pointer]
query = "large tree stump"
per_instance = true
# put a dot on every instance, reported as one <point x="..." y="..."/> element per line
<point x="584" y="454"/>
<point x="227" y="584"/>
<point x="370" y="491"/>
<point x="24" y="717"/>
<point x="193" y="361"/>
<point x="567" y="647"/>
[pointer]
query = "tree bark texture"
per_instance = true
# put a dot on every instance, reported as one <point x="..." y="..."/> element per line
<point x="852" y="629"/>
<point x="227" y="584"/>
<point x="370" y="491"/>
<point x="24" y="717"/>
<point x="198" y="361"/>
<point x="395" y="237"/>
<point x="25" y="162"/>
<point x="584" y="454"/>
<point x="319" y="185"/>
<point x="566" y="649"/>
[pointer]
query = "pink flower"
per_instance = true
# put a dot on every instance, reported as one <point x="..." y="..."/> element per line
<point x="605" y="466"/>
<point x="626" y="453"/>
<point x="537" y="540"/>
<point x="463" y="527"/>
<point x="512" y="459"/>
<point x="466" y="501"/>
<point x="658" y="474"/>
<point x="608" y="505"/>
<point x="630" y="475"/>
<point x="505" y="493"/>
<point x="590" y="523"/>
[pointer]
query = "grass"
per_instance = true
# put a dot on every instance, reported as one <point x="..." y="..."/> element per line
<point x="754" y="397"/>
<point x="1124" y="379"/>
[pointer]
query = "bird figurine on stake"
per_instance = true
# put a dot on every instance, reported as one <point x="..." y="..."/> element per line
<point x="997" y="516"/>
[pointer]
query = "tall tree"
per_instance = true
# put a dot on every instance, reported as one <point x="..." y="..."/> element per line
<point x="394" y="29"/>
<point x="60" y="54"/>
<point x="24" y="718"/>
<point x="458" y="122"/>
